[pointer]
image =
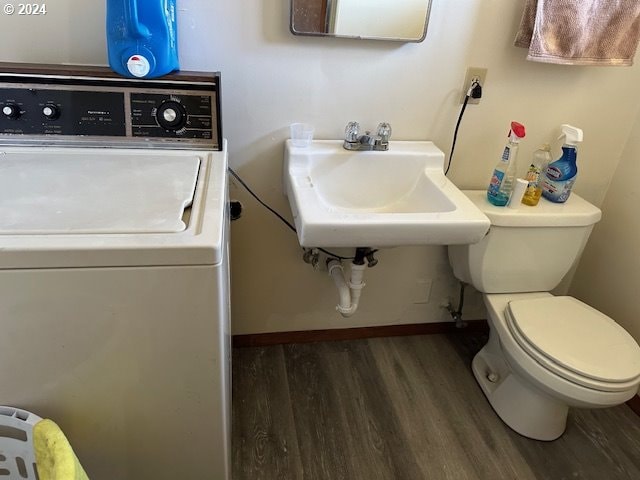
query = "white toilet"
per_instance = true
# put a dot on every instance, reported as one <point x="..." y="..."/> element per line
<point x="545" y="353"/>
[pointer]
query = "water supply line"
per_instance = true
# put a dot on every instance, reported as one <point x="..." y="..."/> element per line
<point x="456" y="314"/>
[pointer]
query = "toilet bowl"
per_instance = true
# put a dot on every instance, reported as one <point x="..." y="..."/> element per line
<point x="545" y="354"/>
<point x="529" y="389"/>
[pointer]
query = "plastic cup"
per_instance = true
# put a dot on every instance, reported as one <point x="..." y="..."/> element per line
<point x="301" y="134"/>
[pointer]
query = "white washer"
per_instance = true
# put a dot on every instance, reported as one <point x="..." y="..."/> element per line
<point x="114" y="297"/>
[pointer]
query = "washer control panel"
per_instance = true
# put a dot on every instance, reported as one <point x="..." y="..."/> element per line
<point x="180" y="113"/>
<point x="157" y="115"/>
<point x="34" y="111"/>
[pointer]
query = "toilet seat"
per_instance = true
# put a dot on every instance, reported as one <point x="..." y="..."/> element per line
<point x="575" y="341"/>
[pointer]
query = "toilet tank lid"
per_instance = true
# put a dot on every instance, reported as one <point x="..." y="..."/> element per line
<point x="575" y="212"/>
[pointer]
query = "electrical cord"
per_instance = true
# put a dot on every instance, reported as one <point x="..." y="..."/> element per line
<point x="475" y="91"/>
<point x="282" y="219"/>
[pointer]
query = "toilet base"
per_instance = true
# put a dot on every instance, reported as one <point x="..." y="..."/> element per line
<point x="520" y="405"/>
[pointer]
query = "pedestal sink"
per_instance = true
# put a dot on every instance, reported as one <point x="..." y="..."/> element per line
<point x="342" y="198"/>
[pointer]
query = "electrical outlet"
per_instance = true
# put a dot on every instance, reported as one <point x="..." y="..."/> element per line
<point x="473" y="73"/>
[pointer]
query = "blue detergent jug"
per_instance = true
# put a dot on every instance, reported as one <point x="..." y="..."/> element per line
<point x="141" y="37"/>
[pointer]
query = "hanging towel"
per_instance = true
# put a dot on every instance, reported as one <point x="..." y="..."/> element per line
<point x="55" y="459"/>
<point x="580" y="32"/>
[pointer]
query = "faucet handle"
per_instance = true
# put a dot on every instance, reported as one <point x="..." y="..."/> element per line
<point x="384" y="131"/>
<point x="351" y="132"/>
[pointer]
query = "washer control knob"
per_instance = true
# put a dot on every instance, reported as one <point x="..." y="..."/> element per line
<point x="51" y="111"/>
<point x="11" y="110"/>
<point x="171" y="115"/>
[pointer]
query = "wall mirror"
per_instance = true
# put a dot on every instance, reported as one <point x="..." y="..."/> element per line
<point x="400" y="20"/>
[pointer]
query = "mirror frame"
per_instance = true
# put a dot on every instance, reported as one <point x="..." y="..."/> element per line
<point x="358" y="37"/>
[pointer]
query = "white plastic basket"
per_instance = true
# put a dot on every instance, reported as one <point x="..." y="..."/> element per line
<point x="17" y="458"/>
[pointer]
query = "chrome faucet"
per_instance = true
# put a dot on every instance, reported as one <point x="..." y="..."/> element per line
<point x="354" y="141"/>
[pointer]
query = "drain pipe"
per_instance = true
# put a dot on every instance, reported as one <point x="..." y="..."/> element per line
<point x="349" y="292"/>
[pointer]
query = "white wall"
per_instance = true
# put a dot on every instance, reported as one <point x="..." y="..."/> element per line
<point x="71" y="31"/>
<point x="608" y="276"/>
<point x="272" y="78"/>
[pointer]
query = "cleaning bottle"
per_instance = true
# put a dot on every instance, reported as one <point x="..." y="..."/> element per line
<point x="141" y="37"/>
<point x="501" y="183"/>
<point x="560" y="175"/>
<point x="541" y="160"/>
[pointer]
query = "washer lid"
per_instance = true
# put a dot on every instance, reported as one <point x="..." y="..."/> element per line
<point x="98" y="192"/>
<point x="577" y="337"/>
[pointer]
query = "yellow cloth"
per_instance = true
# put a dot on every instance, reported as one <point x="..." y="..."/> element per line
<point x="54" y="456"/>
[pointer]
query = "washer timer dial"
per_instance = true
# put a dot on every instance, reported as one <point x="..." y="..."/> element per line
<point x="171" y="115"/>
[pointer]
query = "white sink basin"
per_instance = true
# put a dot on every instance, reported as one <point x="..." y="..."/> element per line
<point x="342" y="198"/>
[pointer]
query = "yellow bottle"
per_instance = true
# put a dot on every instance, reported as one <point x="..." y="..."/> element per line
<point x="541" y="158"/>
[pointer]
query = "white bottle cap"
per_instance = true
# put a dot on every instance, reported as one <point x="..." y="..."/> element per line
<point x="573" y="135"/>
<point x="518" y="192"/>
<point x="138" y="66"/>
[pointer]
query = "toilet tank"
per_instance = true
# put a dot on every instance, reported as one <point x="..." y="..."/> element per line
<point x="528" y="249"/>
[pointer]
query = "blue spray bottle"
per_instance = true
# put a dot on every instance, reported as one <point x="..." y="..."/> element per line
<point x="560" y="176"/>
<point x="141" y="37"/>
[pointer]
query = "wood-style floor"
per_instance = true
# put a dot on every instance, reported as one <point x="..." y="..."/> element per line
<point x="402" y="408"/>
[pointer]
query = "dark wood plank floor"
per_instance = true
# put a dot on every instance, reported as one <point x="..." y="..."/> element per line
<point x="402" y="408"/>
